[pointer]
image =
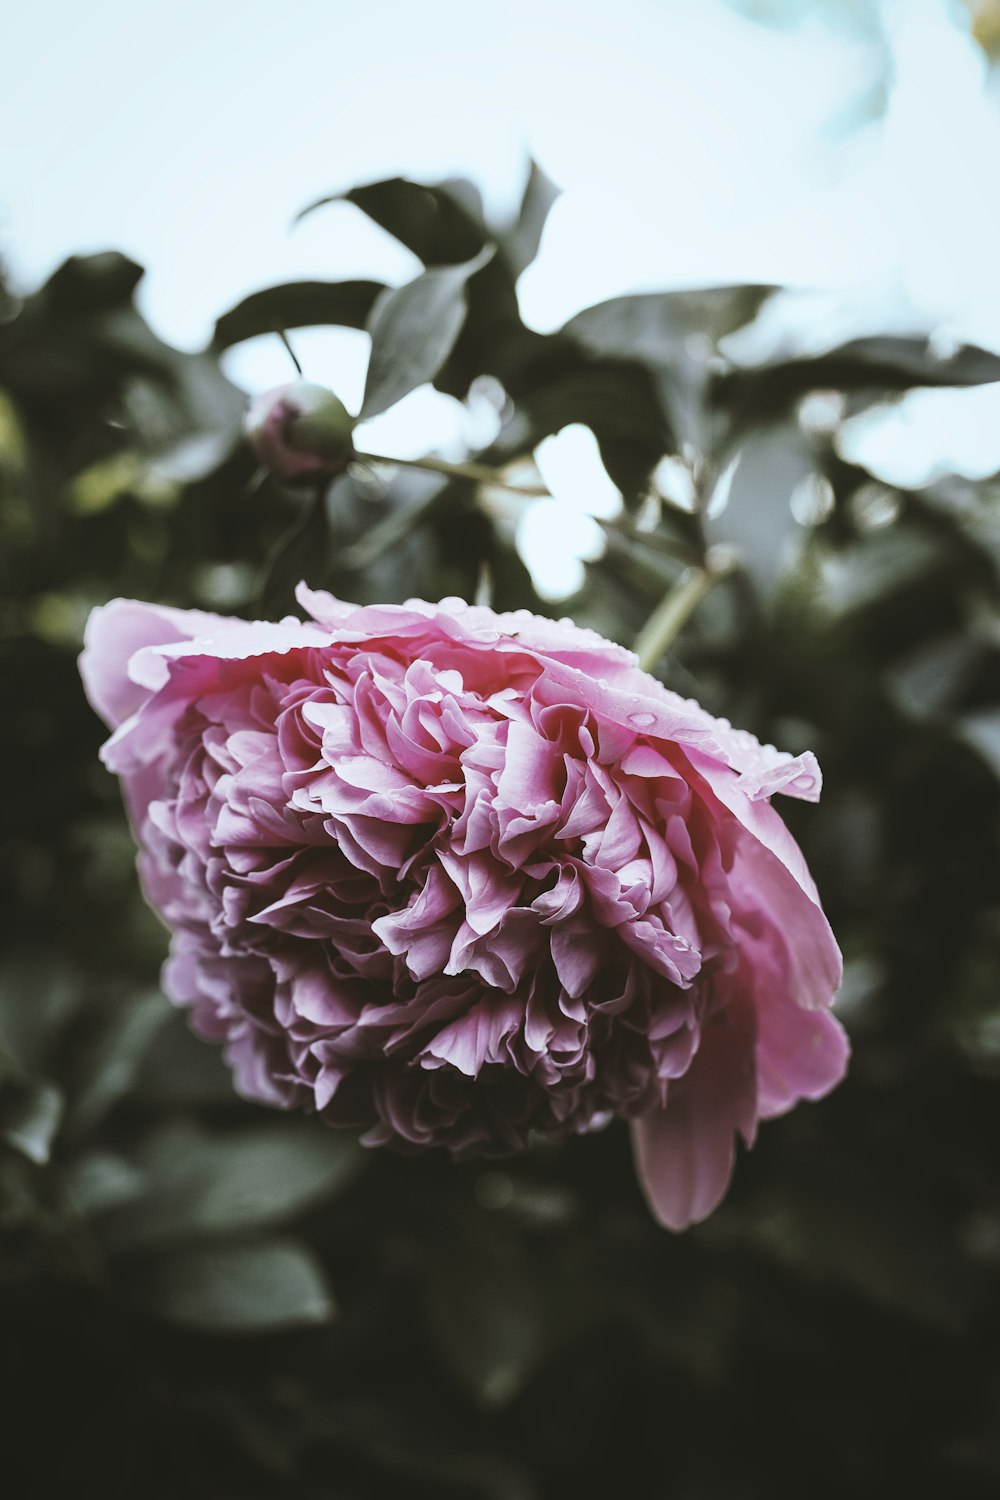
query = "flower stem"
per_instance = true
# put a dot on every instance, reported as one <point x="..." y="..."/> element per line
<point x="283" y="336"/>
<point x="476" y="473"/>
<point x="675" y="609"/>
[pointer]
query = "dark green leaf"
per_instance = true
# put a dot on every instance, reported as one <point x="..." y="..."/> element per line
<point x="981" y="731"/>
<point x="485" y="1311"/>
<point x="757" y="518"/>
<point x="204" y="1185"/>
<point x="434" y="496"/>
<point x="80" y="351"/>
<point x="931" y="680"/>
<point x="241" y="1288"/>
<point x="881" y="365"/>
<point x="92" y="282"/>
<point x="868" y="574"/>
<point x="521" y="241"/>
<point x="675" y="335"/>
<point x="300" y="553"/>
<point x="100" y="1180"/>
<point x="297" y="304"/>
<point x="30" y="1114"/>
<point x="413" y="329"/>
<point x="658" y="328"/>
<point x="180" y="1070"/>
<point x="38" y="996"/>
<point x="109" y="1068"/>
<point x="439" y="224"/>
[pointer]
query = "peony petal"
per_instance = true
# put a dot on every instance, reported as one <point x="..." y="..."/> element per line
<point x="115" y="633"/>
<point x="801" y="1054"/>
<point x="684" y="1151"/>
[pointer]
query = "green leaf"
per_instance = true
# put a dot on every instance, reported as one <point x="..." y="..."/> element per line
<point x="297" y="304"/>
<point x="520" y="242"/>
<point x="93" y="281"/>
<point x="205" y="1185"/>
<point x="484" y="1307"/>
<point x="413" y="330"/>
<point x="432" y="499"/>
<point x="676" y="335"/>
<point x="30" y="1115"/>
<point x="980" y="730"/>
<point x="884" y="364"/>
<point x="301" y="553"/>
<point x="39" y="995"/>
<point x="237" y="1288"/>
<point x="79" y="350"/>
<point x="757" y="518"/>
<point x="100" y="1180"/>
<point x="110" y="1067"/>
<point x="441" y="225"/>
<point x="930" y="680"/>
<point x="181" y="1070"/>
<point x="618" y="402"/>
<point x="868" y="574"/>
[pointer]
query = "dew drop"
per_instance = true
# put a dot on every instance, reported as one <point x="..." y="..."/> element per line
<point x="642" y="721"/>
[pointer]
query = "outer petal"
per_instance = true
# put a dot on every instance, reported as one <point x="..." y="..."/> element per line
<point x="649" y="712"/>
<point x="114" y="634"/>
<point x="801" y="1054"/>
<point x="684" y="1152"/>
<point x="770" y="876"/>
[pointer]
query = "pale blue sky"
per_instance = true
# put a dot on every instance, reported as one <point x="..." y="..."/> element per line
<point x="693" y="147"/>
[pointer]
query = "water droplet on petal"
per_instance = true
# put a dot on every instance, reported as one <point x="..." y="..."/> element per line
<point x="642" y="721"/>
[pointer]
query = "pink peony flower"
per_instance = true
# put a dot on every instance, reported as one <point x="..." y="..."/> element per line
<point x="462" y="878"/>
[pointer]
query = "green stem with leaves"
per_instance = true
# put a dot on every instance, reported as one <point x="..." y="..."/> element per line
<point x="676" y="608"/>
<point x="475" y="473"/>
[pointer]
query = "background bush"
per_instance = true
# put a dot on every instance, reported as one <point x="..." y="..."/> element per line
<point x="200" y="1296"/>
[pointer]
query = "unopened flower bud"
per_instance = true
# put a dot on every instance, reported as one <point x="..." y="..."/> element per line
<point x="300" y="432"/>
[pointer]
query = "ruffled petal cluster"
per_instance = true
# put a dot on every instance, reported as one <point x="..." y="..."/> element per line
<point x="467" y="879"/>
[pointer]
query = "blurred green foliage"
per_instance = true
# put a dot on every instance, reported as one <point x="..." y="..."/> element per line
<point x="200" y="1297"/>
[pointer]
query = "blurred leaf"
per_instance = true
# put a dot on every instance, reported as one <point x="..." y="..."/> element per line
<point x="484" y="1307"/>
<point x="520" y="242"/>
<point x="100" y="1180"/>
<point x="38" y="996"/>
<point x="756" y="518"/>
<point x="301" y="553"/>
<point x="107" y="481"/>
<point x="844" y="1222"/>
<point x="92" y="281"/>
<point x="868" y="573"/>
<point x="78" y="352"/>
<point x="109" y="1068"/>
<point x="617" y="402"/>
<point x="931" y="680"/>
<point x="241" y="1288"/>
<point x="439" y="224"/>
<point x="430" y="496"/>
<point x="181" y="1070"/>
<point x="891" y="363"/>
<point x="297" y="304"/>
<point x="413" y="330"/>
<point x="659" y="328"/>
<point x="981" y="731"/>
<point x="198" y="1184"/>
<point x="30" y="1115"/>
<point x="675" y="335"/>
